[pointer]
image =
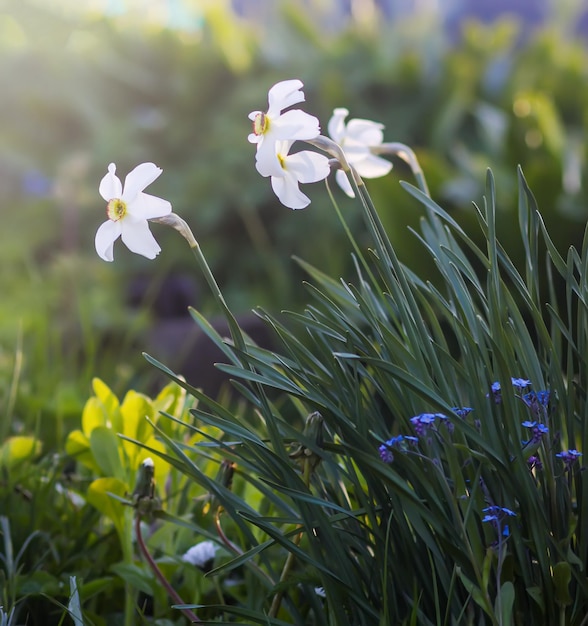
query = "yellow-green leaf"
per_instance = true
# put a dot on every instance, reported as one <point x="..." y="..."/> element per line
<point x="16" y="450"/>
<point x="77" y="445"/>
<point x="98" y="496"/>
<point x="134" y="409"/>
<point x="106" y="448"/>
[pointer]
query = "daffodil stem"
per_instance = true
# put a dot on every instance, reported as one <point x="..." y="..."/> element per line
<point x="158" y="573"/>
<point x="236" y="333"/>
<point x="407" y="154"/>
<point x="177" y="223"/>
<point x="277" y="599"/>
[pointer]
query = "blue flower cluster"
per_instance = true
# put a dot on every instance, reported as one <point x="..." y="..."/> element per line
<point x="496" y="390"/>
<point x="399" y="442"/>
<point x="538" y="404"/>
<point x="538" y="430"/>
<point x="495" y="515"/>
<point x="424" y="421"/>
<point x="569" y="457"/>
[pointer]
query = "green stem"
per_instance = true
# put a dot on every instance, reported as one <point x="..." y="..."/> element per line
<point x="127" y="550"/>
<point x="158" y="573"/>
<point x="177" y="223"/>
<point x="407" y="154"/>
<point x="277" y="599"/>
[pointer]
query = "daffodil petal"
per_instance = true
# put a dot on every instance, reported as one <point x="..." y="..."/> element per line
<point x="307" y="166"/>
<point x="106" y="235"/>
<point x="110" y="186"/>
<point x="138" y="238"/>
<point x="336" y="125"/>
<point x="284" y="94"/>
<point x="373" y="166"/>
<point x="139" y="178"/>
<point x="343" y="182"/>
<point x="295" y="124"/>
<point x="267" y="163"/>
<point x="355" y="151"/>
<point x="288" y="192"/>
<point x="147" y="207"/>
<point x="365" y="131"/>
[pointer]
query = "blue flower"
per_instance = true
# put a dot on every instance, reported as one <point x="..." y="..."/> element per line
<point x="496" y="392"/>
<point x="520" y="383"/>
<point x="499" y="511"/>
<point x="534" y="462"/>
<point x="424" y="421"/>
<point x="463" y="411"/>
<point x="538" y="431"/>
<point x="399" y="443"/>
<point x="495" y="515"/>
<point x="568" y="457"/>
<point x="385" y="453"/>
<point x="540" y="398"/>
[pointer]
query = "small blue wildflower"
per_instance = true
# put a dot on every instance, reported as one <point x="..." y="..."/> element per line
<point x="534" y="462"/>
<point x="540" y="398"/>
<point x="496" y="392"/>
<point x="463" y="411"/>
<point x="568" y="457"/>
<point x="423" y="422"/>
<point x="385" y="453"/>
<point x="495" y="516"/>
<point x="520" y="383"/>
<point x="538" y="431"/>
<point x="399" y="442"/>
<point x="537" y="401"/>
<point x="501" y="511"/>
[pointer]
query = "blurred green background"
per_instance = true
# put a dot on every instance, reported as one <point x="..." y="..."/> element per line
<point x="86" y="84"/>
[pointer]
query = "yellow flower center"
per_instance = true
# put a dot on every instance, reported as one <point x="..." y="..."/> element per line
<point x="116" y="209"/>
<point x="260" y="124"/>
<point x="282" y="161"/>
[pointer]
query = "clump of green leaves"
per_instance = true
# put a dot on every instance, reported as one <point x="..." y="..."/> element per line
<point x="476" y="518"/>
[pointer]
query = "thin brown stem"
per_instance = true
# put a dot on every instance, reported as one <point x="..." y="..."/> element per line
<point x="236" y="549"/>
<point x="158" y="573"/>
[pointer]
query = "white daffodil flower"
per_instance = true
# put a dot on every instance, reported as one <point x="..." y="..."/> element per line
<point x="274" y="125"/>
<point x="288" y="170"/>
<point x="200" y="555"/>
<point x="128" y="210"/>
<point x="357" y="138"/>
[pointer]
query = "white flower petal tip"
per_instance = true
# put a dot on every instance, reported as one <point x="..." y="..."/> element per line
<point x="358" y="138"/>
<point x="128" y="210"/>
<point x="148" y="462"/>
<point x="285" y="94"/>
<point x="201" y="554"/>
